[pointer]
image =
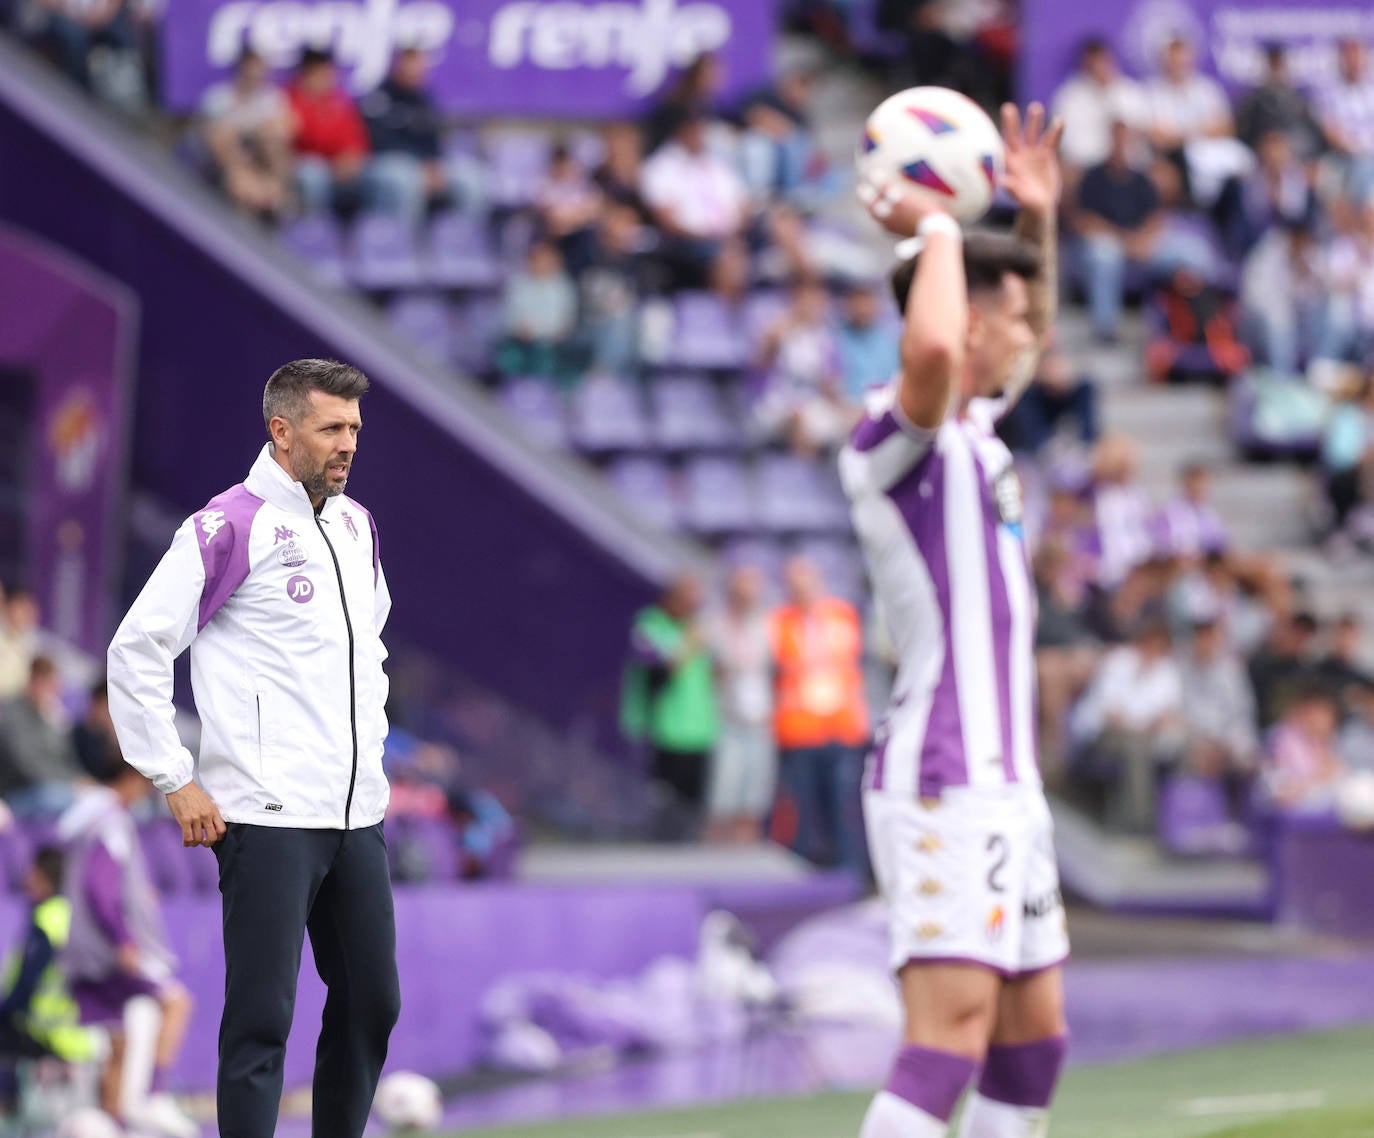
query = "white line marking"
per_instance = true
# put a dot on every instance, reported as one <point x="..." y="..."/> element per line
<point x="1251" y="1104"/>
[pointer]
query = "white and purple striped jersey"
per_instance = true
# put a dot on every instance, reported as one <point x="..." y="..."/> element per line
<point x="938" y="513"/>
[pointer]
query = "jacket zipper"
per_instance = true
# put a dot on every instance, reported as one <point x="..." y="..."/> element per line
<point x="352" y="678"/>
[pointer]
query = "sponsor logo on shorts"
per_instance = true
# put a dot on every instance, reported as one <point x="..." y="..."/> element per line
<point x="929" y="887"/>
<point x="929" y="930"/>
<point x="997" y="923"/>
<point x="928" y="843"/>
<point x="292" y="555"/>
<point x="1043" y="905"/>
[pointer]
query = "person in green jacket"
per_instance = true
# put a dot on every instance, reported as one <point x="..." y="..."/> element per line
<point x="38" y="1016"/>
<point x="670" y="700"/>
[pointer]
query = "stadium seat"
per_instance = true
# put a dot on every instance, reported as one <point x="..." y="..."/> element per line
<point x="519" y="160"/>
<point x="15" y="855"/>
<point x="477" y="324"/>
<point x="461" y="254"/>
<point x="707" y="333"/>
<point x="608" y="415"/>
<point x="761" y="553"/>
<point x="762" y="308"/>
<point x="688" y="415"/>
<point x="840" y="564"/>
<point x="384" y="254"/>
<point x="1193" y="818"/>
<point x="646" y="485"/>
<point x="799" y="495"/>
<point x="536" y="409"/>
<point x="422" y="320"/>
<point x="718" y="496"/>
<point x="318" y="243"/>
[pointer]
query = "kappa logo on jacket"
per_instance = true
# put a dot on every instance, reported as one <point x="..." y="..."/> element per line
<point x="211" y="522"/>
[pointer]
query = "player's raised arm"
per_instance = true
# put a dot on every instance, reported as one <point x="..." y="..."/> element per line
<point x="934" y="297"/>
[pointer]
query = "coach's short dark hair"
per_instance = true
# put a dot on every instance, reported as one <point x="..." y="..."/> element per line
<point x="51" y="865"/>
<point x="988" y="257"/>
<point x="287" y="394"/>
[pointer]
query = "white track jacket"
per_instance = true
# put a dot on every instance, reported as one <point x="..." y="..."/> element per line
<point x="283" y="612"/>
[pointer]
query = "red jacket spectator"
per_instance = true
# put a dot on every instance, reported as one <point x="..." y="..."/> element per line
<point x="328" y="123"/>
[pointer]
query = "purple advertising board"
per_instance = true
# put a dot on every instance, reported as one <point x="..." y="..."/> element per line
<point x="1230" y="36"/>
<point x="564" y="58"/>
<point x="72" y="331"/>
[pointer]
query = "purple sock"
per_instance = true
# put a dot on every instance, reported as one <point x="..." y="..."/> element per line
<point x="159" y="1084"/>
<point x="1023" y="1074"/>
<point x="930" y="1080"/>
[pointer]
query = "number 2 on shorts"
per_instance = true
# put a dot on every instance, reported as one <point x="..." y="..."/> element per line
<point x="997" y="850"/>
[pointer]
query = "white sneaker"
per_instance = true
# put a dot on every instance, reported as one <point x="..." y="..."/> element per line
<point x="160" y="1115"/>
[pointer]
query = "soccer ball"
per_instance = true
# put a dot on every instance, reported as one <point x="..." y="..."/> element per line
<point x="89" y="1124"/>
<point x="1355" y="801"/>
<point x="938" y="140"/>
<point x="407" y="1103"/>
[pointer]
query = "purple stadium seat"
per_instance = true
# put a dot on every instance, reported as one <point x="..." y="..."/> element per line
<point x="15" y="855"/>
<point x="318" y="242"/>
<point x="608" y="415"/>
<point x="868" y="39"/>
<point x="762" y="308"/>
<point x="840" y="564"/>
<point x="169" y="862"/>
<point x="707" y="333"/>
<point x="461" y="253"/>
<point x="797" y="494"/>
<point x="477" y="325"/>
<point x="384" y="254"/>
<point x="646" y="485"/>
<point x="761" y="553"/>
<point x="519" y="160"/>
<point x="536" y="408"/>
<point x="688" y="414"/>
<point x="718" y="496"/>
<point x="1194" y="818"/>
<point x="423" y="322"/>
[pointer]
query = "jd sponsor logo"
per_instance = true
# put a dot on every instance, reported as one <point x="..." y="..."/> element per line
<point x="300" y="589"/>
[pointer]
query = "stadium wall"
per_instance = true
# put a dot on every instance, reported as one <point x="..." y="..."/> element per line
<point x="517" y="569"/>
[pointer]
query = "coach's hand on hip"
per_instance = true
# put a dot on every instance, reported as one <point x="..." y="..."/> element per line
<point x="197" y="815"/>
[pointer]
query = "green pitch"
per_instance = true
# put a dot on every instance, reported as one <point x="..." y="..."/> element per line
<point x="1306" y="1086"/>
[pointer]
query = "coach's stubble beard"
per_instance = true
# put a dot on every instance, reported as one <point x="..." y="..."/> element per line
<point x="315" y="479"/>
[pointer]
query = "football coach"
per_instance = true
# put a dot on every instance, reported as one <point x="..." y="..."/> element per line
<point x="277" y="588"/>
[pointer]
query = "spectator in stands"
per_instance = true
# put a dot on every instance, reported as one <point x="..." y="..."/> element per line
<point x="484" y="830"/>
<point x="670" y="702"/>
<point x="864" y="341"/>
<point x="820" y="718"/>
<point x="1348" y="459"/>
<point x="1281" y="291"/>
<point x="1069" y="524"/>
<point x="38" y="1016"/>
<point x="696" y="199"/>
<point x="744" y="767"/>
<point x="541" y="316"/>
<point x="18" y="640"/>
<point x="1129" y="724"/>
<point x="1304" y="765"/>
<point x="804" y="400"/>
<point x="1195" y="331"/>
<point x="409" y="172"/>
<point x="611" y="288"/>
<point x="121" y="969"/>
<point x="1349" y="278"/>
<point x="619" y="175"/>
<point x="1121" y="509"/>
<point x="69" y="31"/>
<point x="38" y="766"/>
<point x="93" y="738"/>
<point x="1345" y="110"/>
<point x="1189" y="526"/>
<point x="1182" y="104"/>
<point x="693" y="95"/>
<point x="330" y="139"/>
<point x="1355" y="744"/>
<point x="1274" y="192"/>
<point x="1342" y="667"/>
<point x="779" y="154"/>
<point x="1218" y="709"/>
<point x="1119" y="220"/>
<point x="1066" y="652"/>
<point x="1277" y="105"/>
<point x="1091" y="102"/>
<point x="569" y="207"/>
<point x="1058" y="401"/>
<point x="248" y="132"/>
<point x="1283" y="664"/>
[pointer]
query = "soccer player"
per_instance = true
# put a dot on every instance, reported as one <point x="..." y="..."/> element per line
<point x="277" y="588"/>
<point x="958" y="827"/>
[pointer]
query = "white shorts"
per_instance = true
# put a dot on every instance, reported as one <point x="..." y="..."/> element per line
<point x="969" y="877"/>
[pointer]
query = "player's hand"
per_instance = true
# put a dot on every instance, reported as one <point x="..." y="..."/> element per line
<point x="1031" y="175"/>
<point x="198" y="816"/>
<point x="130" y="959"/>
<point x="896" y="207"/>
